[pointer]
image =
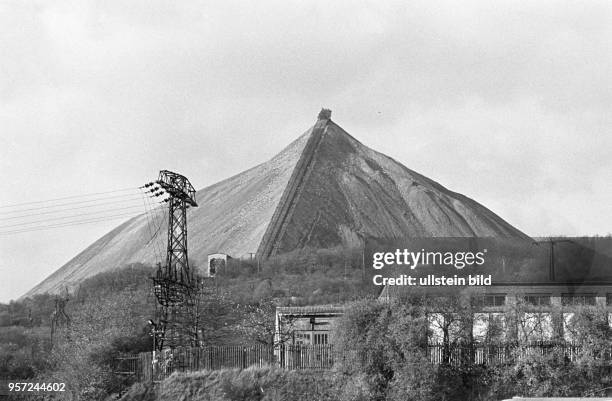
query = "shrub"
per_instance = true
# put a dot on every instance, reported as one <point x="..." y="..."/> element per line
<point x="383" y="341"/>
<point x="252" y="384"/>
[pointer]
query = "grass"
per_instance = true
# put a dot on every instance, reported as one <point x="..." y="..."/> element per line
<point x="252" y="384"/>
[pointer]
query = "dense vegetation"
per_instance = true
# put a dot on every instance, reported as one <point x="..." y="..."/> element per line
<point x="384" y="348"/>
<point x="256" y="384"/>
<point x="109" y="312"/>
<point x="381" y="356"/>
<point x="304" y="277"/>
<point x="382" y="344"/>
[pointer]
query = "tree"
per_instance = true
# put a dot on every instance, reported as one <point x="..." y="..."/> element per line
<point x="79" y="351"/>
<point x="559" y="368"/>
<point x="212" y="319"/>
<point x="384" y="344"/>
<point x="259" y="324"/>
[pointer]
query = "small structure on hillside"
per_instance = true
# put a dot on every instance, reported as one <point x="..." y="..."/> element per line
<point x="324" y="114"/>
<point x="303" y="336"/>
<point x="216" y="262"/>
<point x="305" y="325"/>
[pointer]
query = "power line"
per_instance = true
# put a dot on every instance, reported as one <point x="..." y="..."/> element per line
<point x="70" y="197"/>
<point x="68" y="209"/>
<point x="90" y="216"/>
<point x="155" y="243"/>
<point x="144" y="201"/>
<point x="158" y="228"/>
<point x="75" y="223"/>
<point x="70" y="217"/>
<point x="73" y="203"/>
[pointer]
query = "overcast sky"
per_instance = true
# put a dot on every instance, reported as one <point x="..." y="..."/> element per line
<point x="508" y="102"/>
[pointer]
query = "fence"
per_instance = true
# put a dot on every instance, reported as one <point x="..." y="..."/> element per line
<point x="305" y="356"/>
<point x="210" y="358"/>
<point x="128" y="365"/>
<point x="145" y="368"/>
<point x="494" y="354"/>
<point x="214" y="358"/>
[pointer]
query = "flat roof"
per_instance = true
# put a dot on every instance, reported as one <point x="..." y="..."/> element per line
<point x="311" y="309"/>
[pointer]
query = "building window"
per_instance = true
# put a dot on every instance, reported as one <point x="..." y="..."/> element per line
<point x="320" y="338"/>
<point x="444" y="328"/>
<point x="535" y="326"/>
<point x="302" y="338"/>
<point x="492" y="300"/>
<point x="537" y="299"/>
<point x="577" y="299"/>
<point x="489" y="327"/>
<point x="570" y="332"/>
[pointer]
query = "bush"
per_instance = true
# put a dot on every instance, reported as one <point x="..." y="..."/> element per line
<point x="386" y="343"/>
<point x="252" y="384"/>
<point x="381" y="355"/>
<point x="140" y="392"/>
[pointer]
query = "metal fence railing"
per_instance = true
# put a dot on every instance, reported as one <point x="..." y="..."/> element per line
<point x="145" y="367"/>
<point x="305" y="356"/>
<point x="493" y="354"/>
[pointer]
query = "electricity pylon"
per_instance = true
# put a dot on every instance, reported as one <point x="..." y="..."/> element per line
<point x="173" y="283"/>
<point x="59" y="318"/>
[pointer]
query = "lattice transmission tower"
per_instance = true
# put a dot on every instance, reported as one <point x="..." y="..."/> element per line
<point x="59" y="318"/>
<point x="173" y="284"/>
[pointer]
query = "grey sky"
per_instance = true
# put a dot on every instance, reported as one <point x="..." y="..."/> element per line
<point x="506" y="102"/>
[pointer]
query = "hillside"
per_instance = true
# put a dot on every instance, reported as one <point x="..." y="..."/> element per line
<point x="324" y="189"/>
